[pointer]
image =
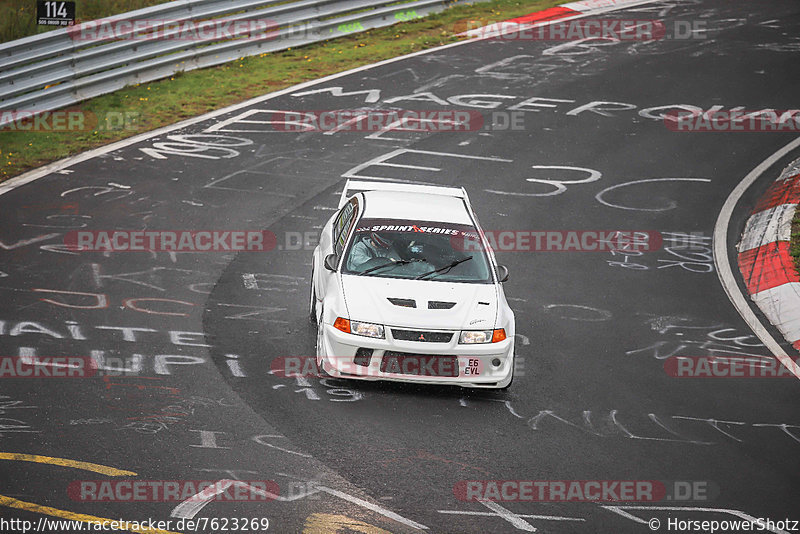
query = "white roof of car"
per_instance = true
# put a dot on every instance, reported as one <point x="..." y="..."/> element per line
<point x="415" y="207"/>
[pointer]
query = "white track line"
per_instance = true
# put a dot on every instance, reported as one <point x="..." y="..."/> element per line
<point x="374" y="507"/>
<point x="723" y="265"/>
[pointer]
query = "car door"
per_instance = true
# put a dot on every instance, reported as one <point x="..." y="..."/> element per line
<point x="335" y="241"/>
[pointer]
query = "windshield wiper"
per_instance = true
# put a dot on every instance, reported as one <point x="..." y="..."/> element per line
<point x="388" y="264"/>
<point x="443" y="269"/>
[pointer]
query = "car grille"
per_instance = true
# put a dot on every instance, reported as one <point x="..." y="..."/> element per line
<point x="419" y="364"/>
<point x="421" y="335"/>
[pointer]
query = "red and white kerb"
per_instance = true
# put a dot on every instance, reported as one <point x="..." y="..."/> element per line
<point x="764" y="260"/>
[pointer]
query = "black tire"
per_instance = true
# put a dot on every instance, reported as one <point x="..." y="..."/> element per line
<point x="312" y="301"/>
<point x="320" y="365"/>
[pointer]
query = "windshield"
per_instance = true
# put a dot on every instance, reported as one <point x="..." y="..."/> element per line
<point x="415" y="249"/>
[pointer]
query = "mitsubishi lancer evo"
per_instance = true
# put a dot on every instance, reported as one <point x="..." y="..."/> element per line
<point x="405" y="287"/>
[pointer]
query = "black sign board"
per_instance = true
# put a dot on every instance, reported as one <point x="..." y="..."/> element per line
<point x="55" y="13"/>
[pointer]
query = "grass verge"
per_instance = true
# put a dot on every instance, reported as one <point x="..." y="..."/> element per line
<point x="192" y="93"/>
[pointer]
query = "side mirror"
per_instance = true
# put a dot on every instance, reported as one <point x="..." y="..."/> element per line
<point x="330" y="262"/>
<point x="502" y="273"/>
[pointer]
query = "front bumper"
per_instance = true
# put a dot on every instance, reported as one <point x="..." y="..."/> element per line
<point x="469" y="365"/>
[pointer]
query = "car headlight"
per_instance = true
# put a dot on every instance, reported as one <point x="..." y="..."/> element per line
<point x="366" y="329"/>
<point x="482" y="336"/>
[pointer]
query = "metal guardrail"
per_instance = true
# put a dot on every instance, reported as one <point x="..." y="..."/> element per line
<point x="62" y="67"/>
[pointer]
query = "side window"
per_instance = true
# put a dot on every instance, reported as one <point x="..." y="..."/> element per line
<point x="341" y="226"/>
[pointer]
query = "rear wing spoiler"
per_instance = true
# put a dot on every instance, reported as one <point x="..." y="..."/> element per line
<point x="359" y="186"/>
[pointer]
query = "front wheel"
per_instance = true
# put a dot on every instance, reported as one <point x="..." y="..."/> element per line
<point x="320" y="340"/>
<point x="312" y="302"/>
<point x="321" y="346"/>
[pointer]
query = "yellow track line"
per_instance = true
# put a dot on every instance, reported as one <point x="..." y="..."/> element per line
<point x="333" y="523"/>
<point x="64" y="514"/>
<point x="64" y="462"/>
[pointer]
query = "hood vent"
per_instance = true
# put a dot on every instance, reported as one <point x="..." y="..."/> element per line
<point x="405" y="303"/>
<point x="439" y="305"/>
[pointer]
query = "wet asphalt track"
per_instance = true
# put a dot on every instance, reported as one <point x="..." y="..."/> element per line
<point x="591" y="400"/>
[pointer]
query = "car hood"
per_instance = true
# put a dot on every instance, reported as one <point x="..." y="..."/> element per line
<point x="368" y="299"/>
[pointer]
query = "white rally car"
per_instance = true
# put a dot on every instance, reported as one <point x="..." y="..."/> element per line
<point x="405" y="287"/>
